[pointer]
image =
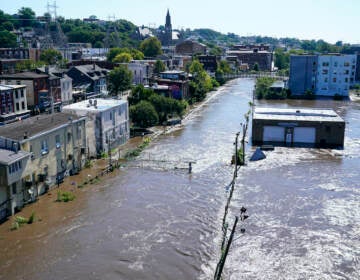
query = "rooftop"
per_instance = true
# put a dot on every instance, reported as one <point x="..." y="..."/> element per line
<point x="296" y="114"/>
<point x="24" y="75"/>
<point x="35" y="125"/>
<point x="7" y="87"/>
<point x="101" y="105"/>
<point x="8" y="157"/>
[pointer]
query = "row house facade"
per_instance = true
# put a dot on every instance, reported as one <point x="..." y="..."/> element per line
<point x="13" y="103"/>
<point x="37" y="88"/>
<point x="89" y="78"/>
<point x="175" y="82"/>
<point x="36" y="154"/>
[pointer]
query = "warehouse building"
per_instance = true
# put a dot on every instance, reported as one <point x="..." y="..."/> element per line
<point x="298" y="127"/>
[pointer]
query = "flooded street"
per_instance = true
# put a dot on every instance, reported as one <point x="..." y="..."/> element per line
<point x="155" y="221"/>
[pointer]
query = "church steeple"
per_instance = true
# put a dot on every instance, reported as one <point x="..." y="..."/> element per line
<point x="168" y="19"/>
<point x="167" y="39"/>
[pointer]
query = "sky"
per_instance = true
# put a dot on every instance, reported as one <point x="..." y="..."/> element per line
<point x="330" y="20"/>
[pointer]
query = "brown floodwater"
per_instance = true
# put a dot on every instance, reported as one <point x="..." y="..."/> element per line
<point x="153" y="220"/>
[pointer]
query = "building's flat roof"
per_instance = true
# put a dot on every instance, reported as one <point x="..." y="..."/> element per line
<point x="102" y="105"/>
<point x="8" y="157"/>
<point x="297" y="114"/>
<point x="35" y="125"/>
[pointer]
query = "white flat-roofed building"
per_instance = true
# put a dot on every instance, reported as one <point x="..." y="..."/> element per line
<point x="107" y="123"/>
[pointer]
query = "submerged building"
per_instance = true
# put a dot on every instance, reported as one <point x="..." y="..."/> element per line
<point x="298" y="127"/>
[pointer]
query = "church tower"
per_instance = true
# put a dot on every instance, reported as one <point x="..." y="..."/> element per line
<point x="168" y="30"/>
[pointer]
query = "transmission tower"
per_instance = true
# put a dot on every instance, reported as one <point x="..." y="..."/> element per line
<point x="55" y="36"/>
<point x="112" y="38"/>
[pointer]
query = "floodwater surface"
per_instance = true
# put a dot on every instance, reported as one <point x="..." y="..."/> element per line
<point x="153" y="220"/>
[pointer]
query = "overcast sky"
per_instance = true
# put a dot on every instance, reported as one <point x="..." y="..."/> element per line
<point x="331" y="20"/>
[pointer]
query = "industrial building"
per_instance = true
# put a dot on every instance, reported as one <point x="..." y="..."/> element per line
<point x="298" y="127"/>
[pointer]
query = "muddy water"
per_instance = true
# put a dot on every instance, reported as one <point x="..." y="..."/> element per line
<point x="152" y="220"/>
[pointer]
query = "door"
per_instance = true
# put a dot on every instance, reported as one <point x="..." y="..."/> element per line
<point x="304" y="135"/>
<point x="273" y="134"/>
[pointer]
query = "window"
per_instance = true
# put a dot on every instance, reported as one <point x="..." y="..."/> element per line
<point x="22" y="93"/>
<point x="69" y="137"/>
<point x="16" y="94"/>
<point x="325" y="64"/>
<point x="17" y="106"/>
<point x="346" y="80"/>
<point x="346" y="72"/>
<point x="57" y="141"/>
<point x="326" y="80"/>
<point x="14" y="188"/>
<point x="346" y="63"/>
<point x="23" y="105"/>
<point x="44" y="147"/>
<point x="335" y="64"/>
<point x="334" y="80"/>
<point x="18" y="82"/>
<point x="325" y="71"/>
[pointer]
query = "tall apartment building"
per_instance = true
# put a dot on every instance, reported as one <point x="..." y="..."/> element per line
<point x="324" y="75"/>
<point x="335" y="74"/>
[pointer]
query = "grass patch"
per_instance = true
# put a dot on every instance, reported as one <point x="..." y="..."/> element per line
<point x="136" y="152"/>
<point x="65" y="196"/>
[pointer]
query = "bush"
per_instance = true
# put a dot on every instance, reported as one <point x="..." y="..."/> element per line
<point x="31" y="218"/>
<point x="88" y="163"/>
<point x="65" y="196"/>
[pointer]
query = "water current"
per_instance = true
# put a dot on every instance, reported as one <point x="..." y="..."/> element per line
<point x="153" y="220"/>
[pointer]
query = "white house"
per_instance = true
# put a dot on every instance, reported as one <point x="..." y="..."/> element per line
<point x="140" y="71"/>
<point x="107" y="123"/>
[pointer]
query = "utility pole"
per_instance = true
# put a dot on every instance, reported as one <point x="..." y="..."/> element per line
<point x="223" y="257"/>
<point x="236" y="154"/>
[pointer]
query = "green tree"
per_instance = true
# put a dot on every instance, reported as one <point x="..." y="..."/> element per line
<point x="225" y="67"/>
<point x="8" y="26"/>
<point x="98" y="45"/>
<point x="201" y="83"/>
<point x="282" y="59"/>
<point x="159" y="66"/>
<point x="144" y="114"/>
<point x="120" y="79"/>
<point x="26" y="17"/>
<point x="50" y="56"/>
<point x="135" y="54"/>
<point x="123" y="58"/>
<point x="151" y="47"/>
<point x="139" y="93"/>
<point x="256" y="67"/>
<point x="7" y="39"/>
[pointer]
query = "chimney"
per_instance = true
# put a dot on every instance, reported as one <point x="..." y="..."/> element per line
<point x="16" y="147"/>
